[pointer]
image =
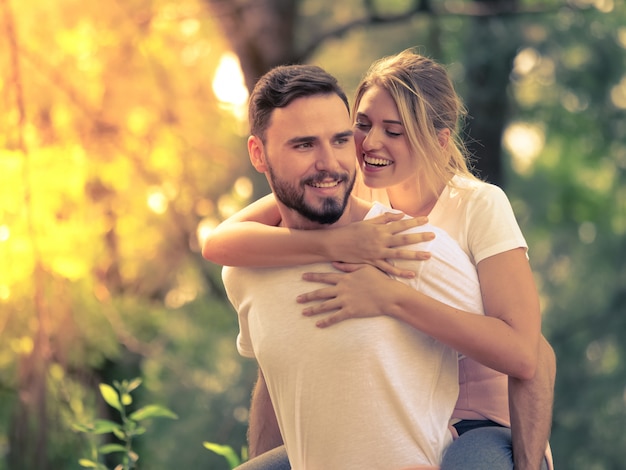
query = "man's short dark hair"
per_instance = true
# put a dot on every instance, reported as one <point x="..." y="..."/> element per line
<point x="282" y="85"/>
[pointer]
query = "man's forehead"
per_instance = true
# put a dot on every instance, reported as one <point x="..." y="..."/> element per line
<point x="312" y="115"/>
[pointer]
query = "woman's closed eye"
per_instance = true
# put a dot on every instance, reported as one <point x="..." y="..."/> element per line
<point x="393" y="134"/>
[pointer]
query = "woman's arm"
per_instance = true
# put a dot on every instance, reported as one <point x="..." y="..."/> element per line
<point x="506" y="338"/>
<point x="251" y="238"/>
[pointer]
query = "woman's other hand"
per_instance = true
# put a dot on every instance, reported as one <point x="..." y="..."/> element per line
<point x="379" y="240"/>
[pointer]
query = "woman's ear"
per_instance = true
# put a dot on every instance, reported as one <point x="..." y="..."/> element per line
<point x="444" y="136"/>
<point x="257" y="153"/>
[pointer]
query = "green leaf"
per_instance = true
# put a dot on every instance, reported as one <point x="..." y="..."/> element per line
<point x="225" y="451"/>
<point x="152" y="411"/>
<point x="110" y="448"/>
<point x="82" y="428"/>
<point x="136" y="382"/>
<point x="126" y="399"/>
<point x="103" y="426"/>
<point x="87" y="463"/>
<point x="110" y="396"/>
<point x="138" y="431"/>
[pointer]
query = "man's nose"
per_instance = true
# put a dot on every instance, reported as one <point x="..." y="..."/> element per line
<point x="326" y="159"/>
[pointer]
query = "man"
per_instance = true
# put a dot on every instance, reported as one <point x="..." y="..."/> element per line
<point x="373" y="394"/>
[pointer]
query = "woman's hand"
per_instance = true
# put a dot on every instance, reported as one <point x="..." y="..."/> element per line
<point x="360" y="291"/>
<point x="378" y="240"/>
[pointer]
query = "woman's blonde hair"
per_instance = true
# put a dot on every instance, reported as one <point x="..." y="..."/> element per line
<point x="427" y="103"/>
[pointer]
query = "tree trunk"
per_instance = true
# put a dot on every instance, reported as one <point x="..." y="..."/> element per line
<point x="260" y="33"/>
<point x="491" y="46"/>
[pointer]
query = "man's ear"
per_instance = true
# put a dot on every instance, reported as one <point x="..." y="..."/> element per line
<point x="444" y="136"/>
<point x="257" y="153"/>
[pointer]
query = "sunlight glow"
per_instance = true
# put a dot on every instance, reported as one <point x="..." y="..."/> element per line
<point x="525" y="61"/>
<point x="243" y="187"/>
<point x="241" y="414"/>
<point x="180" y="296"/>
<point x="69" y="267"/>
<point x="5" y="293"/>
<point x="605" y="6"/>
<point x="227" y="205"/>
<point x="587" y="232"/>
<point x="618" y="94"/>
<point x="524" y="141"/>
<point x="205" y="227"/>
<point x="621" y="37"/>
<point x="229" y="86"/>
<point x="204" y="207"/>
<point x="157" y="201"/>
<point x="573" y="102"/>
<point x="23" y="345"/>
<point x="5" y="233"/>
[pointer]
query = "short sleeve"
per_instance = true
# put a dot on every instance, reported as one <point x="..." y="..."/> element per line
<point x="244" y="342"/>
<point x="492" y="226"/>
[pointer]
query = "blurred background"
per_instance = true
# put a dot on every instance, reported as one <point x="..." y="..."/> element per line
<point x="122" y="142"/>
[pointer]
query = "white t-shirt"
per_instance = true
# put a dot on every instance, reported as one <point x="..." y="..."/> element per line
<point x="369" y="393"/>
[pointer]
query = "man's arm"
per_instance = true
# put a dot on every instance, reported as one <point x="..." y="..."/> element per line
<point x="263" y="431"/>
<point x="530" y="405"/>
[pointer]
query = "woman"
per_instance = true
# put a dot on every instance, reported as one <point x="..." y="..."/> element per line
<point x="406" y="114"/>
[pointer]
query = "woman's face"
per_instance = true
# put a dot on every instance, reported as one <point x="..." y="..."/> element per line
<point x="382" y="146"/>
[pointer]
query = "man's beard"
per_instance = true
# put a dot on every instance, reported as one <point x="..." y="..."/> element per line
<point x="292" y="196"/>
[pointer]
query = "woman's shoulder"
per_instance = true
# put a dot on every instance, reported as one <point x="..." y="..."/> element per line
<point x="476" y="187"/>
<point x="476" y="192"/>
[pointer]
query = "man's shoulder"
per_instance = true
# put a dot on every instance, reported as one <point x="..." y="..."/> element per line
<point x="379" y="209"/>
<point x="376" y="209"/>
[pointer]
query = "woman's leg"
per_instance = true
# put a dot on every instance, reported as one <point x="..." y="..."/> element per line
<point x="484" y="448"/>
<point x="275" y="459"/>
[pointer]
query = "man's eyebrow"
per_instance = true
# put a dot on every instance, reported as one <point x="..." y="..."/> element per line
<point x="313" y="138"/>
<point x="302" y="139"/>
<point x="348" y="133"/>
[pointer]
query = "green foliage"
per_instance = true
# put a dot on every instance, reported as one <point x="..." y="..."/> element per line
<point x="119" y="397"/>
<point x="228" y="453"/>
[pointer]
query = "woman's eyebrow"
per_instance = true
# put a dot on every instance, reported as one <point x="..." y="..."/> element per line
<point x="386" y="121"/>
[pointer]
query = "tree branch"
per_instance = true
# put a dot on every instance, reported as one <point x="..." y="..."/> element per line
<point x="452" y="9"/>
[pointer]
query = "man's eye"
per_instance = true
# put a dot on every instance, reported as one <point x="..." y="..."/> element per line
<point x="304" y="145"/>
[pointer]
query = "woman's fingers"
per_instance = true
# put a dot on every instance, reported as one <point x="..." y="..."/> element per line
<point x="331" y="320"/>
<point x="406" y="224"/>
<point x="323" y="307"/>
<point x="403" y="239"/>
<point x="325" y="278"/>
<point x="387" y="217"/>
<point x="392" y="270"/>
<point x="396" y="253"/>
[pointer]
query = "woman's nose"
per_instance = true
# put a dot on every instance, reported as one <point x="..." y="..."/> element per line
<point x="371" y="141"/>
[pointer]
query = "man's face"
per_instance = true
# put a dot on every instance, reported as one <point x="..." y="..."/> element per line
<point x="309" y="154"/>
